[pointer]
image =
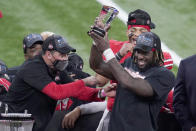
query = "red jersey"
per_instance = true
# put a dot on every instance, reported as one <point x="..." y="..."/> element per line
<point x="168" y="63"/>
<point x="5" y="83"/>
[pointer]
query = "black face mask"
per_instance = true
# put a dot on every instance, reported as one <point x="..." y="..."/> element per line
<point x="60" y="65"/>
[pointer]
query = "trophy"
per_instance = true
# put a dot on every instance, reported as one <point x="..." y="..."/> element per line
<point x="102" y="22"/>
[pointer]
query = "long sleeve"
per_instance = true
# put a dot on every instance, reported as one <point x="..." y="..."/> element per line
<point x="75" y="89"/>
<point x="93" y="107"/>
<point x="180" y="102"/>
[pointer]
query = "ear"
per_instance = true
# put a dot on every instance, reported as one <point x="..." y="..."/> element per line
<point x="48" y="54"/>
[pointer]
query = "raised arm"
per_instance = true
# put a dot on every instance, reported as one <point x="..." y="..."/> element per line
<point x="113" y="68"/>
<point x="97" y="63"/>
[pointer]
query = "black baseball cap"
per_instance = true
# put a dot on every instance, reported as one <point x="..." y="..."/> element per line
<point x="75" y="62"/>
<point x="148" y="41"/>
<point x="140" y="17"/>
<point x="30" y="40"/>
<point x="57" y="43"/>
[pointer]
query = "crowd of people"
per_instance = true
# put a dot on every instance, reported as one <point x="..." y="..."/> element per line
<point x="137" y="84"/>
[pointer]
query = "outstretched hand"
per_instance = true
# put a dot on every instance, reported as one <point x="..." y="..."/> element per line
<point x="110" y="90"/>
<point x="90" y="81"/>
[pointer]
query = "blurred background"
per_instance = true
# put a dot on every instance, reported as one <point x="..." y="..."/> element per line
<point x="175" y="24"/>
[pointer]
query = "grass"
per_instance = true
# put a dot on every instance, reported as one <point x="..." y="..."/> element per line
<point x="175" y="21"/>
<point x="72" y="19"/>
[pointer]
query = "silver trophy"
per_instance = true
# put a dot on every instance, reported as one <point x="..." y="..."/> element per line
<point x="102" y="22"/>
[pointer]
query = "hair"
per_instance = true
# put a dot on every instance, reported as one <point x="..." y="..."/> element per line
<point x="46" y="43"/>
<point x="46" y="34"/>
<point x="158" y="57"/>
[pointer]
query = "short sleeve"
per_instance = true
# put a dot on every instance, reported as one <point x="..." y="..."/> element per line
<point x="162" y="82"/>
<point x="35" y="75"/>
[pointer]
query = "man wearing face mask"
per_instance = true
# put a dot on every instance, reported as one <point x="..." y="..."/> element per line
<point x="34" y="87"/>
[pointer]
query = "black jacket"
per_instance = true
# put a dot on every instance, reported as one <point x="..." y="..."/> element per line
<point x="185" y="92"/>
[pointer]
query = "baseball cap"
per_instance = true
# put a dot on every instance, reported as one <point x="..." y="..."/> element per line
<point x="140" y="17"/>
<point x="58" y="43"/>
<point x="75" y="62"/>
<point x="148" y="41"/>
<point x="30" y="40"/>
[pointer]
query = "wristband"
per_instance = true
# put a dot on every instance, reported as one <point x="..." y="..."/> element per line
<point x="108" y="53"/>
<point x="103" y="93"/>
<point x="119" y="56"/>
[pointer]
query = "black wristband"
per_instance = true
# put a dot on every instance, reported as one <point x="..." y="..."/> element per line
<point x="118" y="56"/>
<point x="99" y="31"/>
<point x="100" y="95"/>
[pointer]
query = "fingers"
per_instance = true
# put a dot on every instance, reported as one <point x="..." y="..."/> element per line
<point x="98" y="22"/>
<point x="106" y="36"/>
<point x="93" y="35"/>
<point x="113" y="86"/>
<point x="68" y="122"/>
<point x="90" y="81"/>
<point x="110" y="92"/>
<point x="108" y="27"/>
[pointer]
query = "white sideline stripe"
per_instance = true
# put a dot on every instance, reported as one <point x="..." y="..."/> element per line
<point x="168" y="60"/>
<point x="123" y="17"/>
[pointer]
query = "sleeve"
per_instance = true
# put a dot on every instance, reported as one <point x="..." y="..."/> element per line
<point x="75" y="89"/>
<point x="180" y="101"/>
<point x="161" y="82"/>
<point x="35" y="75"/>
<point x="92" y="107"/>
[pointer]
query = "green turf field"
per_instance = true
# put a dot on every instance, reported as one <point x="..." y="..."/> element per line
<point x="175" y="21"/>
<point x="72" y="19"/>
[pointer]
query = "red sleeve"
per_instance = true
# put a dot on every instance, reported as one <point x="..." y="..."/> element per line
<point x="5" y="83"/>
<point x="110" y="103"/>
<point x="75" y="89"/>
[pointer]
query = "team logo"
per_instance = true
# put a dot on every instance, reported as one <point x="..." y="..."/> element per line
<point x="148" y="22"/>
<point x="145" y="40"/>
